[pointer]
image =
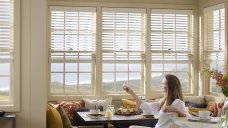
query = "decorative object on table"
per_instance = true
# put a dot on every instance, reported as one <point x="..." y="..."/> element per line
<point x="222" y="81"/>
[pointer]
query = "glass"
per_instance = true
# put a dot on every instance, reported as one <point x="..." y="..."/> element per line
<point x="112" y="108"/>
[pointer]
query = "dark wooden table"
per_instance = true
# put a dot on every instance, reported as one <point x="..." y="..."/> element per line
<point x="11" y="117"/>
<point x="118" y="121"/>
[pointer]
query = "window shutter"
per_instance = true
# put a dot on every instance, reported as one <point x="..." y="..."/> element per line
<point x="72" y="34"/>
<point x="6" y="31"/>
<point x="171" y="36"/>
<point x="123" y="35"/>
<point x="214" y="35"/>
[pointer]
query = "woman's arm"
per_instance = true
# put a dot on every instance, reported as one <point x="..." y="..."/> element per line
<point x="179" y="112"/>
<point x="132" y="93"/>
<point x="178" y="106"/>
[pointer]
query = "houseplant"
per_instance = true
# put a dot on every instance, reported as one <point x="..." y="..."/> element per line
<point x="221" y="79"/>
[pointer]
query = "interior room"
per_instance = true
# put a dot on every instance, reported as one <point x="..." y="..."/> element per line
<point x="57" y="52"/>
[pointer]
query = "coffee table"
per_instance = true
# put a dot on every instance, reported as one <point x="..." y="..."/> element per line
<point x="117" y="120"/>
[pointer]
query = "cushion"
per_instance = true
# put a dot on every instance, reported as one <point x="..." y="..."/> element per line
<point x="128" y="103"/>
<point x="197" y="105"/>
<point x="69" y="107"/>
<point x="92" y="104"/>
<point x="54" y="119"/>
<point x="195" y="99"/>
<point x="65" y="120"/>
<point x="212" y="107"/>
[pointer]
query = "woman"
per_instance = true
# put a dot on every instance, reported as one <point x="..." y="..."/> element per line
<point x="171" y="105"/>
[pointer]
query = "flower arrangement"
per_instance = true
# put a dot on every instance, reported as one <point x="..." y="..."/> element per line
<point x="221" y="79"/>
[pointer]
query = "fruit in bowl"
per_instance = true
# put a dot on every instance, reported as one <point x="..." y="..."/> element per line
<point x="126" y="111"/>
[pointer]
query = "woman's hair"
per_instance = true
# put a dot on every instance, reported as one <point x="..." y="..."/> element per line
<point x="174" y="90"/>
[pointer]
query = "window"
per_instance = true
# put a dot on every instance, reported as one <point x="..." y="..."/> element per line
<point x="72" y="50"/>
<point x="123" y="49"/>
<point x="9" y="57"/>
<point x="171" y="46"/>
<point x="94" y="50"/>
<point x="214" y="40"/>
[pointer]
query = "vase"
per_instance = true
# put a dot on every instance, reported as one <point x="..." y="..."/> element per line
<point x="224" y="114"/>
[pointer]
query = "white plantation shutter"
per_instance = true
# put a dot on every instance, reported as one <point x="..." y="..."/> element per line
<point x="214" y="35"/>
<point x="214" y="39"/>
<point x="72" y="34"/>
<point x="123" y="35"/>
<point x="171" y="36"/>
<point x="171" y="45"/>
<point x="6" y="31"/>
<point x="123" y="48"/>
<point x="72" y="49"/>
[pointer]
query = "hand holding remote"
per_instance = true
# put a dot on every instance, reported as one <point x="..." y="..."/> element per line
<point x="125" y="87"/>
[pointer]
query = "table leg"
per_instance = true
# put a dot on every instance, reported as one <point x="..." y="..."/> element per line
<point x="14" y="123"/>
<point x="106" y="125"/>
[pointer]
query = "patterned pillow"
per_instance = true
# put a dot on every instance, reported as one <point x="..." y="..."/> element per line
<point x="69" y="107"/>
<point x="212" y="107"/>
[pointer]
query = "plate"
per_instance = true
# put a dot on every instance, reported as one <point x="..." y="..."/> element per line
<point x="95" y="116"/>
<point x="148" y="116"/>
<point x="204" y="118"/>
<point x="128" y="114"/>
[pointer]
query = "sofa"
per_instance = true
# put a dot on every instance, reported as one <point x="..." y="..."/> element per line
<point x="71" y="120"/>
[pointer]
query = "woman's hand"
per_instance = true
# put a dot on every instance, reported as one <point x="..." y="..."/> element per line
<point x="128" y="89"/>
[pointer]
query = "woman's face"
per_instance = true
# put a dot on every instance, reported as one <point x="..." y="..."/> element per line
<point x="164" y="85"/>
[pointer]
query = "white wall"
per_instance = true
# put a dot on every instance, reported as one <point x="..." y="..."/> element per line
<point x="33" y="64"/>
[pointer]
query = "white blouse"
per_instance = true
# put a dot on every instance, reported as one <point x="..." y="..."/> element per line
<point x="164" y="118"/>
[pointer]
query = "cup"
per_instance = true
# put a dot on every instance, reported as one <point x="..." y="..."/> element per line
<point x="204" y="114"/>
<point x="146" y="113"/>
<point x="94" y="111"/>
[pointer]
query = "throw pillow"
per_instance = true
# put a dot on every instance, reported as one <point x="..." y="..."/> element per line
<point x="197" y="105"/>
<point x="54" y="119"/>
<point x="212" y="107"/>
<point x="69" y="107"/>
<point x="65" y="119"/>
<point x="128" y="103"/>
<point x="93" y="104"/>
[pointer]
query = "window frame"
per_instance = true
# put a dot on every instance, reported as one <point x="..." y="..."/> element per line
<point x="65" y="61"/>
<point x="188" y="51"/>
<point x="117" y="57"/>
<point x="14" y="104"/>
<point x="204" y="59"/>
